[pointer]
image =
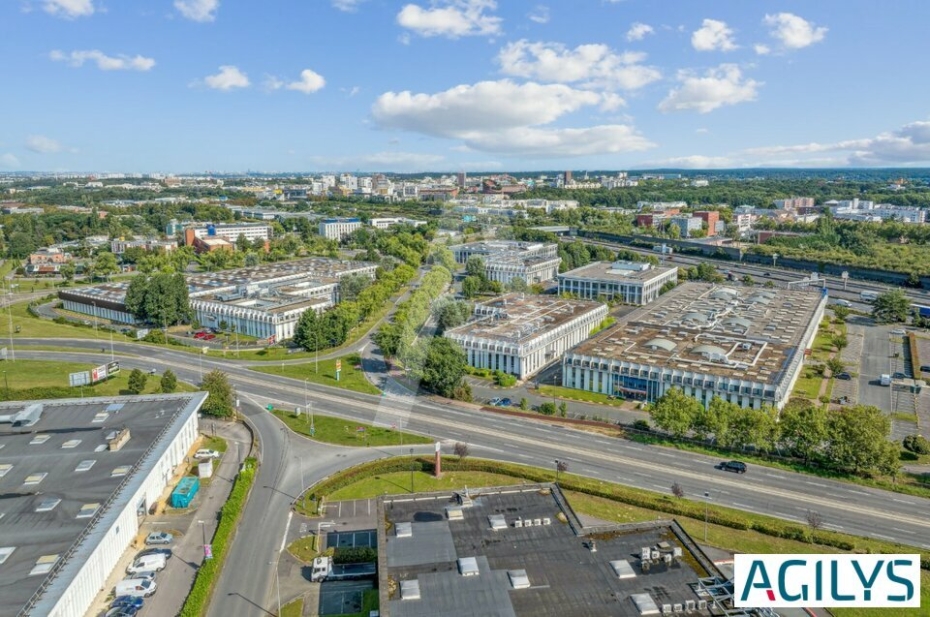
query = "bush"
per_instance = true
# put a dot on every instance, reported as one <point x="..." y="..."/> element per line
<point x="548" y="409"/>
<point x="917" y="444"/>
<point x="504" y="380"/>
<point x="642" y="425"/>
<point x="199" y="596"/>
<point x="355" y="554"/>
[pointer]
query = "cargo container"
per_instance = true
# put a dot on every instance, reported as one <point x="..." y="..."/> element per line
<point x="184" y="492"/>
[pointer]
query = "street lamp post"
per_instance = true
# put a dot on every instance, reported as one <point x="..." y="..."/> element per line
<point x="706" y="498"/>
<point x="95" y="318"/>
<point x="412" y="469"/>
<point x="6" y="382"/>
<point x="9" y="308"/>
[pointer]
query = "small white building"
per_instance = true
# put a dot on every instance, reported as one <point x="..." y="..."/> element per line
<point x="534" y="262"/>
<point x="630" y="282"/>
<point x="339" y="228"/>
<point x="521" y="334"/>
<point x="387" y="222"/>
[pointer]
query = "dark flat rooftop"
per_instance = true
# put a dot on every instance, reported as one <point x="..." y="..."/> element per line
<point x="566" y="578"/>
<point x="71" y="432"/>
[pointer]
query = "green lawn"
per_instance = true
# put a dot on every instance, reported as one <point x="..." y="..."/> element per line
<point x="578" y="395"/>
<point x="345" y="432"/>
<point x="399" y="482"/>
<point x="350" y="378"/>
<point x="294" y="609"/>
<point x="215" y="443"/>
<point x="33" y="327"/>
<point x="49" y="378"/>
<point x="808" y="387"/>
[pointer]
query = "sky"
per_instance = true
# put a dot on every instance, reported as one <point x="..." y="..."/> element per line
<point x="194" y="86"/>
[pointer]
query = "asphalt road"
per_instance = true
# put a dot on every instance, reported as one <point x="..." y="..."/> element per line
<point x="243" y="589"/>
<point x="876" y="361"/>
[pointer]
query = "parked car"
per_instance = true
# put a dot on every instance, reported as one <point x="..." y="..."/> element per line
<point x="167" y="552"/>
<point x="146" y="563"/>
<point x="136" y="587"/>
<point x="734" y="466"/>
<point x="153" y="371"/>
<point x="494" y="402"/>
<point x="505" y="402"/>
<point x="899" y="331"/>
<point x="200" y="335"/>
<point x="204" y="454"/>
<point x="122" y="611"/>
<point x="898" y="375"/>
<point x="843" y="376"/>
<point x="159" y="537"/>
<point x="127" y="601"/>
<point x="209" y="337"/>
<point x="925" y="368"/>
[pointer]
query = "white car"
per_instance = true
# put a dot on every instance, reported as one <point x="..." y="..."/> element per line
<point x="899" y="331"/>
<point x="204" y="454"/>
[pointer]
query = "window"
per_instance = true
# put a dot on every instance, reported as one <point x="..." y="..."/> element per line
<point x="44" y="565"/>
<point x="88" y="510"/>
<point x="101" y="416"/>
<point x="122" y="470"/>
<point x="71" y="443"/>
<point x="85" y="465"/>
<point x="34" y="479"/>
<point x="5" y="552"/>
<point x="39" y="440"/>
<point x="48" y="504"/>
<point x="5" y="469"/>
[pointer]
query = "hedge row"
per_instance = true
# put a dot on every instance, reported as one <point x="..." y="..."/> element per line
<point x="199" y="597"/>
<point x="649" y="500"/>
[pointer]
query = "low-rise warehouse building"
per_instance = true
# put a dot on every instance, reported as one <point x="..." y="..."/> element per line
<point x="630" y="282"/>
<point x="77" y="477"/>
<point x="521" y="334"/>
<point x="745" y="345"/>
<point x="521" y="551"/>
<point x="263" y="301"/>
<point x="533" y="262"/>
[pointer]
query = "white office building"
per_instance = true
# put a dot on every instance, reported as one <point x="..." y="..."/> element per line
<point x="534" y="262"/>
<point x="630" y="282"/>
<point x="337" y="229"/>
<point x="521" y="334"/>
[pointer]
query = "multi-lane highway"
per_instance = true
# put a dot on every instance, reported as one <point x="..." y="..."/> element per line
<point x="842" y="506"/>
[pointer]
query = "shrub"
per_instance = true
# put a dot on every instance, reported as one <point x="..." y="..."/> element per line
<point x="548" y="409"/>
<point x="917" y="444"/>
<point x="641" y="425"/>
<point x="355" y="554"/>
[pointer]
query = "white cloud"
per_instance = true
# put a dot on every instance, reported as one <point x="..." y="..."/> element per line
<point x="540" y="14"/>
<point x="594" y="66"/>
<point x="696" y="161"/>
<point x="713" y="35"/>
<point x="381" y="161"/>
<point x="69" y="9"/>
<point x="120" y="62"/>
<point x="503" y="117"/>
<point x="762" y="50"/>
<point x="309" y="82"/>
<point x="42" y="144"/>
<point x="9" y="160"/>
<point x="638" y="31"/>
<point x="349" y="6"/>
<point x="451" y="18"/>
<point x="702" y="131"/>
<point x="229" y="78"/>
<point x="350" y="92"/>
<point x="198" y="10"/>
<point x="719" y="86"/>
<point x="909" y="145"/>
<point x="794" y="32"/>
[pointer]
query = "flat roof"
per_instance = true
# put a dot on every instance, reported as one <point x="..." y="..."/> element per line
<point x="542" y="568"/>
<point x="712" y="329"/>
<point x="517" y="318"/>
<point x="61" y="479"/>
<point x="617" y="271"/>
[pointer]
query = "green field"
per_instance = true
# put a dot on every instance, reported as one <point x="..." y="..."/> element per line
<point x="350" y="378"/>
<point x="50" y="378"/>
<point x="328" y="429"/>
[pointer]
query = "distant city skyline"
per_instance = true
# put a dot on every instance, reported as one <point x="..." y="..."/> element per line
<point x="460" y="85"/>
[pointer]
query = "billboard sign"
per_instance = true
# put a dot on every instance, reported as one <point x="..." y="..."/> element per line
<point x="79" y="379"/>
<point x="112" y="368"/>
<point x="99" y="373"/>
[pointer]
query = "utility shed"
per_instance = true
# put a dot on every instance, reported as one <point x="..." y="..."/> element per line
<point x="184" y="492"/>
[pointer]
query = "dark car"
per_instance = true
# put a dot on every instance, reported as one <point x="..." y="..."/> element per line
<point x="127" y="602"/>
<point x="122" y="611"/>
<point x="899" y="375"/>
<point x="155" y="551"/>
<point x="925" y="368"/>
<point x="505" y="402"/>
<point x="844" y="376"/>
<point x="734" y="466"/>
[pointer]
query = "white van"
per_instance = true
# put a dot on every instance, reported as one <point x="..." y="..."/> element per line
<point x="135" y="587"/>
<point x="885" y="380"/>
<point x="147" y="562"/>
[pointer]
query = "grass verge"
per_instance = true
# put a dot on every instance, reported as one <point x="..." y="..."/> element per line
<point x="340" y="432"/>
<point x="200" y="593"/>
<point x="293" y="609"/>
<point x="350" y="377"/>
<point x="578" y="395"/>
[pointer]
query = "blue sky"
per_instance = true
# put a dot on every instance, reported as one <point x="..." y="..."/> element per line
<point x="447" y="85"/>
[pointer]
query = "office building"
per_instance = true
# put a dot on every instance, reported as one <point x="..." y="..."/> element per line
<point x="388" y="222"/>
<point x="521" y="334"/>
<point x="629" y="282"/>
<point x="745" y="345"/>
<point x="338" y="228"/>
<point x="534" y="262"/>
<point x="711" y="219"/>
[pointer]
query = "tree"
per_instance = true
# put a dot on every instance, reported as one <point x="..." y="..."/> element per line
<point x="803" y="428"/>
<point x="835" y="365"/>
<point x="891" y="307"/>
<point x="840" y="342"/>
<point x="169" y="382"/>
<point x="677" y="490"/>
<point x="517" y="284"/>
<point x="674" y="412"/>
<point x="748" y="280"/>
<point x="351" y="286"/>
<point x="856" y="437"/>
<point x="560" y="468"/>
<point x="524" y="404"/>
<point x="471" y="286"/>
<point x="444" y="366"/>
<point x="67" y="271"/>
<point x="814" y="521"/>
<point x="841" y="313"/>
<point x="475" y="267"/>
<point x="548" y="408"/>
<point x="461" y="450"/>
<point x="106" y="264"/>
<point x="563" y="409"/>
<point x="220" y="397"/>
<point x="137" y="381"/>
<point x="242" y="243"/>
<point x="450" y="313"/>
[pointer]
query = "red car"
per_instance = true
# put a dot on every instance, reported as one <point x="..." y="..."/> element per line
<point x="209" y="337"/>
<point x="200" y="335"/>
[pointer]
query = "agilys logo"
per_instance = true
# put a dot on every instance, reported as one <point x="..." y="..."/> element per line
<point x="786" y="581"/>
